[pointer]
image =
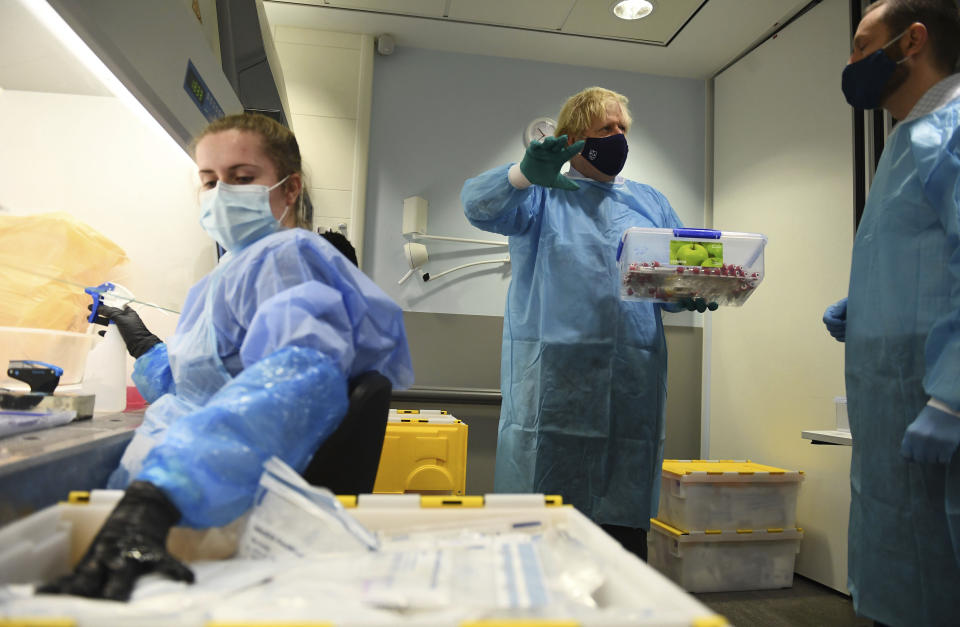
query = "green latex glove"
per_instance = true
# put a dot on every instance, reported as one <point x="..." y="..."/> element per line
<point x="542" y="162"/>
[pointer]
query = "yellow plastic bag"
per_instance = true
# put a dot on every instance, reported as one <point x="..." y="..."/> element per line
<point x="45" y="261"/>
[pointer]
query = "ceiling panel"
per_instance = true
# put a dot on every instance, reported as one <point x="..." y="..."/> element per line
<point x="719" y="31"/>
<point x="539" y="14"/>
<point x="425" y="8"/>
<point x="594" y="18"/>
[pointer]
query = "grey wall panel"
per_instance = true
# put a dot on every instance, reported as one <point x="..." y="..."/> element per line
<point x="685" y="362"/>
<point x="456" y="360"/>
<point x="455" y="350"/>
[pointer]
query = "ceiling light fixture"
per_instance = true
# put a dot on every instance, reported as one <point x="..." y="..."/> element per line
<point x="631" y="9"/>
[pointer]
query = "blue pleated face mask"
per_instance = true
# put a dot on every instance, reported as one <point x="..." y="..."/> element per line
<point x="607" y="154"/>
<point x="863" y="82"/>
<point x="238" y="215"/>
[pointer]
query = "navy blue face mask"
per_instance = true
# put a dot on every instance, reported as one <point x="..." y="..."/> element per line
<point x="864" y="82"/>
<point x="607" y="154"/>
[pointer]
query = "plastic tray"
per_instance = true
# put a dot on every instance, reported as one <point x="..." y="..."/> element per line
<point x="631" y="592"/>
<point x="668" y="265"/>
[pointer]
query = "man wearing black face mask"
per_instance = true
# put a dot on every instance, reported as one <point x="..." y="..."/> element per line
<point x="583" y="373"/>
<point x="901" y="321"/>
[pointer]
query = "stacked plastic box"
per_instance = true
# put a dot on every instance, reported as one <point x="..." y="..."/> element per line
<point x="424" y="451"/>
<point x="726" y="525"/>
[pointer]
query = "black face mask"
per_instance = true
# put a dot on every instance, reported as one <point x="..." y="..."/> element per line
<point x="607" y="154"/>
<point x="864" y="83"/>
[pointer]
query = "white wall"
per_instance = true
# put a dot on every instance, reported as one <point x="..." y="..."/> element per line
<point x="784" y="167"/>
<point x="328" y="76"/>
<point x="91" y="157"/>
<point x="440" y="118"/>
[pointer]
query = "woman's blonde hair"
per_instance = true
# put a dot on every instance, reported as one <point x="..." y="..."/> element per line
<point x="583" y="109"/>
<point x="279" y="144"/>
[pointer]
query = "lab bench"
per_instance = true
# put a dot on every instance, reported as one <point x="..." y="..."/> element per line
<point x="39" y="468"/>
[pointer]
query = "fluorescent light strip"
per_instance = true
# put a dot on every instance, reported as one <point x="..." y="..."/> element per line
<point x="58" y="27"/>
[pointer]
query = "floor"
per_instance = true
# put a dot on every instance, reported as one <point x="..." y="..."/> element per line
<point x="807" y="603"/>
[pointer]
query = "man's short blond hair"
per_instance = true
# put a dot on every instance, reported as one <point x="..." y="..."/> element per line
<point x="583" y="109"/>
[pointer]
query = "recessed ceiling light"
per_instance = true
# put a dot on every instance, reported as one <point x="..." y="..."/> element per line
<point x="631" y="9"/>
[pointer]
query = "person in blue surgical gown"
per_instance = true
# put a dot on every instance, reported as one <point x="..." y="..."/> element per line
<point x="258" y="366"/>
<point x="583" y="373"/>
<point x="901" y="321"/>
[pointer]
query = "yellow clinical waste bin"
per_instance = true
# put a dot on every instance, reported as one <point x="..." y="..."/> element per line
<point x="424" y="451"/>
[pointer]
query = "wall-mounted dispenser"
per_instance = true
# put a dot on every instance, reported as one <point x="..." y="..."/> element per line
<point x="414" y="215"/>
<point x="416" y="255"/>
<point x="414" y="226"/>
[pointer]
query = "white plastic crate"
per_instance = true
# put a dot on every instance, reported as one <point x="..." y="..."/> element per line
<point x="667" y="265"/>
<point x="727" y="495"/>
<point x="724" y="561"/>
<point x="632" y="593"/>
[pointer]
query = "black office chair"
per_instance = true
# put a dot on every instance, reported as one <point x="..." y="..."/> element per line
<point x="347" y="462"/>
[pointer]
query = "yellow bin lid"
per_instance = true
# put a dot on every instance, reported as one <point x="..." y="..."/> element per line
<point x="726" y="469"/>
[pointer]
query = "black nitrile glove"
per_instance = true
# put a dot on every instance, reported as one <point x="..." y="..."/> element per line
<point x="697" y="304"/>
<point x="134" y="333"/>
<point x="131" y="543"/>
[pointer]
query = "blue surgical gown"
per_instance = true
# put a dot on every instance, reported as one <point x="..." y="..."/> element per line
<point x="903" y="347"/>
<point x="583" y="373"/>
<point x="257" y="367"/>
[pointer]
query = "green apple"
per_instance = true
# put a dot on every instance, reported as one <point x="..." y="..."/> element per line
<point x="692" y="254"/>
<point x="714" y="249"/>
<point x="712" y="262"/>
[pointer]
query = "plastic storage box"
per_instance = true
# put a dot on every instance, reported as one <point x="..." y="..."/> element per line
<point x="61" y="348"/>
<point x="424" y="451"/>
<point x="727" y="495"/>
<point x="724" y="561"/>
<point x="630" y="592"/>
<point x="667" y="265"/>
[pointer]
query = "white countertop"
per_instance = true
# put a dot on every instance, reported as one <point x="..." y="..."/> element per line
<point x="829" y="436"/>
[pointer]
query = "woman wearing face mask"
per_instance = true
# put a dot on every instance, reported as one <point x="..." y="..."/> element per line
<point x="583" y="373"/>
<point x="258" y="366"/>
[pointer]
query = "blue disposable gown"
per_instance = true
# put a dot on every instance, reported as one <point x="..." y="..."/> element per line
<point x="583" y="373"/>
<point x="903" y="347"/>
<point x="257" y="367"/>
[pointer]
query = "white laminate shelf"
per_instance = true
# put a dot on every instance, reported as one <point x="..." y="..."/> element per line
<point x="829" y="436"/>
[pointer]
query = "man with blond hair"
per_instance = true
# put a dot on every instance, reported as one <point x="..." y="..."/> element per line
<point x="583" y="373"/>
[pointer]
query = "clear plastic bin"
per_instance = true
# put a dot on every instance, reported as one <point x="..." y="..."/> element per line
<point x="727" y="495"/>
<point x="724" y="561"/>
<point x="668" y="265"/>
